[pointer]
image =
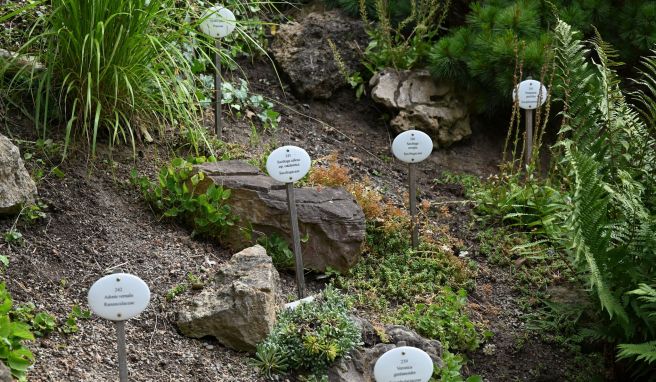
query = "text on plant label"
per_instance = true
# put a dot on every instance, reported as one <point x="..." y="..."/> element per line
<point x="412" y="146"/>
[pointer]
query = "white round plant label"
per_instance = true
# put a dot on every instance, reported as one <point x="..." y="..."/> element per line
<point x="412" y="146"/>
<point x="404" y="364"/>
<point x="530" y="94"/>
<point x="218" y="22"/>
<point x="288" y="164"/>
<point x="118" y="297"/>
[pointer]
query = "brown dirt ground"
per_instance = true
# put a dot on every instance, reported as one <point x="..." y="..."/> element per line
<point x="97" y="223"/>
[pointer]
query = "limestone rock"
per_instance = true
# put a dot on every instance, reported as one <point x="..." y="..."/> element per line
<point x="360" y="366"/>
<point x="302" y="52"/>
<point x="331" y="219"/>
<point x="423" y="104"/>
<point x="239" y="307"/>
<point x="16" y="185"/>
<point x="5" y="373"/>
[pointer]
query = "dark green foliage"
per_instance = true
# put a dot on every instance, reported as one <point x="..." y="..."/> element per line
<point x="500" y="34"/>
<point x="176" y="195"/>
<point x="310" y="337"/>
<point x="483" y="54"/>
<point x="443" y="319"/>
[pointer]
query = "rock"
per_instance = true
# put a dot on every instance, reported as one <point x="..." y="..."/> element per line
<point x="5" y="373"/>
<point x="302" y="51"/>
<point x="330" y="218"/>
<point x="16" y="185"/>
<point x="360" y="366"/>
<point x="423" y="104"/>
<point x="239" y="307"/>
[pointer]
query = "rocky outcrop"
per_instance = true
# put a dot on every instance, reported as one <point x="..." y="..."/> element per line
<point x="239" y="307"/>
<point x="302" y="51"/>
<point x="360" y="366"/>
<point x="423" y="104"/>
<point x="330" y="218"/>
<point x="16" y="185"/>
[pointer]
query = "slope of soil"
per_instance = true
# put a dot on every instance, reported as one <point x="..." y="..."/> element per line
<point x="97" y="223"/>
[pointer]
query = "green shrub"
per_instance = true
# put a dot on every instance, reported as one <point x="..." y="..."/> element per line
<point x="310" y="337"/>
<point x="113" y="68"/>
<point x="175" y="195"/>
<point x="12" y="335"/>
<point x="482" y="55"/>
<point x="444" y="319"/>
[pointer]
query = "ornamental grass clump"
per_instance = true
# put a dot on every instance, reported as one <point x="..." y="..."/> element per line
<point x="310" y="337"/>
<point x="111" y="69"/>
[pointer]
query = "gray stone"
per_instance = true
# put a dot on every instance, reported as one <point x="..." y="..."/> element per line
<point x="16" y="186"/>
<point x="423" y="104"/>
<point x="302" y="52"/>
<point x="330" y="218"/>
<point x="5" y="373"/>
<point x="239" y="306"/>
<point x="359" y="367"/>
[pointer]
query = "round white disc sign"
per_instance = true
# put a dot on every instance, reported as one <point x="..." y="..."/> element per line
<point x="118" y="297"/>
<point x="288" y="164"/>
<point x="218" y="22"/>
<point x="530" y="94"/>
<point x="412" y="146"/>
<point x="404" y="363"/>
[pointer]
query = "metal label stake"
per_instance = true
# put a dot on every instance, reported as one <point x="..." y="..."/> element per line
<point x="412" y="147"/>
<point x="118" y="298"/>
<point x="412" y="178"/>
<point x="529" y="94"/>
<point x="289" y="164"/>
<point x="122" y="353"/>
<point x="296" y="238"/>
<point x="218" y="22"/>
<point x="218" y="128"/>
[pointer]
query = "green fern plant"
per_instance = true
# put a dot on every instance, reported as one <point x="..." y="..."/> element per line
<point x="607" y="167"/>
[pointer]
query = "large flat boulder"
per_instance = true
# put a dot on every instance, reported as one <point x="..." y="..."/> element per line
<point x="239" y="306"/>
<point x="302" y="52"/>
<point x="329" y="217"/>
<point x="422" y="104"/>
<point x="16" y="186"/>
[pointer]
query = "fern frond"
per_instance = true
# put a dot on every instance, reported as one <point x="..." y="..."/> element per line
<point x="645" y="352"/>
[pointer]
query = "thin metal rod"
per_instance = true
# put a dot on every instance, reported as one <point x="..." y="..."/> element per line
<point x="122" y="355"/>
<point x="296" y="238"/>
<point x="529" y="136"/>
<point x="413" y="204"/>
<point x="217" y="88"/>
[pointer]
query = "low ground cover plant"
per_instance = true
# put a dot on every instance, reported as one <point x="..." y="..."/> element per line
<point x="174" y="194"/>
<point x="397" y="284"/>
<point x="310" y="337"/>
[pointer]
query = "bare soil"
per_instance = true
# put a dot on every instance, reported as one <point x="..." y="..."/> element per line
<point x="97" y="223"/>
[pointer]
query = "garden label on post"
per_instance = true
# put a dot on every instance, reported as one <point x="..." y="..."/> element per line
<point x="119" y="297"/>
<point x="218" y="22"/>
<point x="529" y="94"/>
<point x="412" y="146"/>
<point x="403" y="364"/>
<point x="289" y="164"/>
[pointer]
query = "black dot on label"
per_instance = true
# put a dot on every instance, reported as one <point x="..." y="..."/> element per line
<point x="118" y="280"/>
